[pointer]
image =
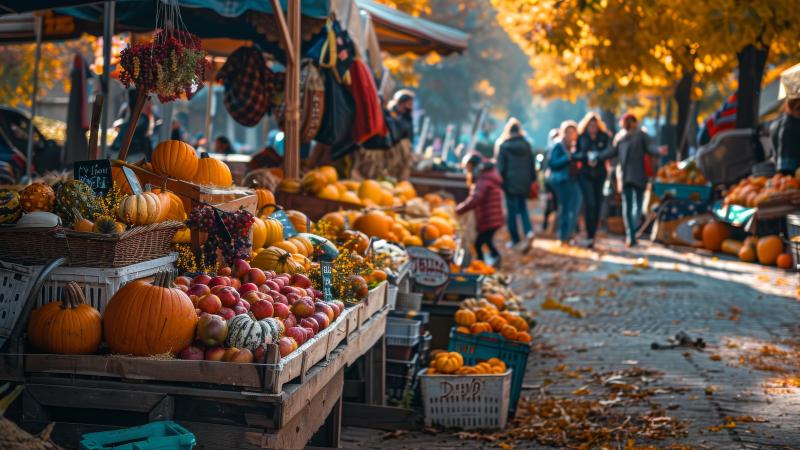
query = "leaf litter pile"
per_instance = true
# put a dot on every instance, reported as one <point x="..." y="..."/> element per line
<point x="612" y="410"/>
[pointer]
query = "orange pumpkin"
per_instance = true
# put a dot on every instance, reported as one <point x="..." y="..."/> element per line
<point x="480" y="327"/>
<point x="462" y="329"/>
<point x="448" y="362"/>
<point x="287" y="246"/>
<point x="212" y="172"/>
<point x="354" y="241"/>
<point x="747" y="253"/>
<point x="141" y="209"/>
<point x="37" y="197"/>
<point x="374" y="223"/>
<point x="523" y="336"/>
<point x="483" y="314"/>
<point x="508" y="332"/>
<point x="335" y="221"/>
<point x="69" y="327"/>
<point x="497" y="362"/>
<point x="259" y="233"/>
<point x="144" y="319"/>
<point x="175" y="159"/>
<point x="120" y="180"/>
<point x="518" y="323"/>
<point x="784" y="261"/>
<point x="175" y="209"/>
<point x="768" y="249"/>
<point x="274" y="231"/>
<point x="714" y="233"/>
<point x="265" y="198"/>
<point x="497" y="300"/>
<point x="465" y="317"/>
<point x="299" y="220"/>
<point x="497" y="323"/>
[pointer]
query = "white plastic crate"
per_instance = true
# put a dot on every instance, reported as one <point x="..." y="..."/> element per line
<point x="469" y="402"/>
<point x="99" y="284"/>
<point x="402" y="341"/>
<point x="400" y="327"/>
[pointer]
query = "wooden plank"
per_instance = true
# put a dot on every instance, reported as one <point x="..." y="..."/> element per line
<point x="79" y="397"/>
<point x="352" y="319"/>
<point x="295" y="433"/>
<point x="373" y="303"/>
<point x="379" y="417"/>
<point x="214" y="372"/>
<point x="367" y="337"/>
<point x="375" y="380"/>
<point x="214" y="436"/>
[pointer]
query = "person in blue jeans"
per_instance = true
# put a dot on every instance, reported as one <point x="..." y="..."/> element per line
<point x="517" y="166"/>
<point x="564" y="183"/>
<point x="630" y="146"/>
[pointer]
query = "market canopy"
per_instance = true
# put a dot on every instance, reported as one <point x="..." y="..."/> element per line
<point x="399" y="32"/>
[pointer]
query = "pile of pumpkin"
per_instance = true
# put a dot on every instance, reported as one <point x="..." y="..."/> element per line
<point x="681" y="173"/>
<point x="488" y="315"/>
<point x="452" y="363"/>
<point x="753" y="191"/>
<point x="477" y="266"/>
<point x="324" y="182"/>
<point x="767" y="250"/>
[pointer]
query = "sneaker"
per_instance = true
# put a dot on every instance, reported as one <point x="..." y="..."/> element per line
<point x="529" y="244"/>
<point x="510" y="245"/>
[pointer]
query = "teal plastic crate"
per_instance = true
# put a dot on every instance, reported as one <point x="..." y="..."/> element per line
<point x="164" y="435"/>
<point x="696" y="192"/>
<point x="476" y="348"/>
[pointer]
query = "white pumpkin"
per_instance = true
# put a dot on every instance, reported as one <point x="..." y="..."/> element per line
<point x="39" y="219"/>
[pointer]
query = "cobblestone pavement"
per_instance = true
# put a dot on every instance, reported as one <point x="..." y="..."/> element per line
<point x="729" y="395"/>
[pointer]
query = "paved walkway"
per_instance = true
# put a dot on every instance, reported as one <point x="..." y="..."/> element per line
<point x="740" y="391"/>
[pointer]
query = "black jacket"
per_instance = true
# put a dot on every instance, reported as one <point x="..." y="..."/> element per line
<point x="785" y="136"/>
<point x="586" y="144"/>
<point x="517" y="166"/>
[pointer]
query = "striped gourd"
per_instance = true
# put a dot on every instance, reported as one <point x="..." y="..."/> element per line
<point x="246" y="332"/>
<point x="275" y="326"/>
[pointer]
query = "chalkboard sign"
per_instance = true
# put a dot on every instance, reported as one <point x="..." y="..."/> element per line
<point x="133" y="180"/>
<point x="96" y="173"/>
<point x="327" y="280"/>
<point x="288" y="228"/>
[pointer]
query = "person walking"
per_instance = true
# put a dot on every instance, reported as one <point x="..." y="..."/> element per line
<point x="485" y="197"/>
<point x="517" y="167"/>
<point x="564" y="182"/>
<point x="593" y="140"/>
<point x="630" y="146"/>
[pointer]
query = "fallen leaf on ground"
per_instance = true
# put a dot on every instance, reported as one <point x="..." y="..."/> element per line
<point x="630" y="333"/>
<point x="715" y="357"/>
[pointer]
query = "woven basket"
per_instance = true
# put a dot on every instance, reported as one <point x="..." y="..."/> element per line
<point x="37" y="246"/>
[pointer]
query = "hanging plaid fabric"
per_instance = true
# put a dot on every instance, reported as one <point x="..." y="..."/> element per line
<point x="368" y="120"/>
<point x="245" y="81"/>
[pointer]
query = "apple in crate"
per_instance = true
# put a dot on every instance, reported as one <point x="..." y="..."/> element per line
<point x="209" y="303"/>
<point x="290" y="320"/>
<point x="303" y="307"/>
<point x="296" y="333"/>
<point x="310" y="322"/>
<point x="219" y="281"/>
<point x="322" y="319"/>
<point x="300" y="281"/>
<point x="242" y="356"/>
<point x="262" y="309"/>
<point x="255" y="276"/>
<point x="286" y="345"/>
<point x="336" y="310"/>
<point x="193" y="353"/>
<point x="211" y="330"/>
<point x="201" y="279"/>
<point x="226" y="313"/>
<point x="281" y="310"/>
<point x="240" y="268"/>
<point x="229" y="296"/>
<point x="326" y="309"/>
<point x="260" y="355"/>
<point x="247" y="287"/>
<point x="215" y="353"/>
<point x="309" y="333"/>
<point x="183" y="281"/>
<point x="198" y="290"/>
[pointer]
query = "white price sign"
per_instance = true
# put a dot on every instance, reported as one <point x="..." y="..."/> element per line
<point x="427" y="267"/>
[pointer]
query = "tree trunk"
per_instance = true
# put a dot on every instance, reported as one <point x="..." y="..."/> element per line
<point x="683" y="97"/>
<point x="752" y="61"/>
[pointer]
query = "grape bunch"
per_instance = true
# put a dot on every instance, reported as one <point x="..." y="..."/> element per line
<point x="202" y="218"/>
<point x="238" y="224"/>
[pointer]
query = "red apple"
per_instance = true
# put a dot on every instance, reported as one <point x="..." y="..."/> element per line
<point x="310" y="322"/>
<point x="280" y="282"/>
<point x="227" y="313"/>
<point x="218" y="281"/>
<point x="253" y="297"/>
<point x="281" y="310"/>
<point x="243" y="356"/>
<point x="212" y="330"/>
<point x="339" y="303"/>
<point x="290" y="321"/>
<point x="230" y="353"/>
<point x="322" y="320"/>
<point x="235" y="283"/>
<point x="245" y="303"/>
<point x="209" y="303"/>
<point x="301" y="281"/>
<point x="309" y="333"/>
<point x="260" y="356"/>
<point x="335" y="308"/>
<point x="286" y="345"/>
<point x="359" y="286"/>
<point x="240" y="268"/>
<point x="192" y="352"/>
<point x="273" y="285"/>
<point x="297" y="334"/>
<point x="255" y="276"/>
<point x="239" y="310"/>
<point x="201" y="279"/>
<point x="317" y="293"/>
<point x="229" y="296"/>
<point x="292" y="298"/>
<point x="198" y="290"/>
<point x="303" y="307"/>
<point x="215" y="354"/>
<point x="182" y="287"/>
<point x="215" y="290"/>
<point x="225" y="271"/>
<point x="286" y="290"/>
<point x="326" y="309"/>
<point x="248" y="287"/>
<point x="262" y="309"/>
<point x="278" y="297"/>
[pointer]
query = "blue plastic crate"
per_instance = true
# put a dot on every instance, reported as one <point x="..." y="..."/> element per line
<point x="701" y="192"/>
<point x="164" y="435"/>
<point x="476" y="348"/>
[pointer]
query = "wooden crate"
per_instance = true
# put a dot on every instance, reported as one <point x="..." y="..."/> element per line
<point x="375" y="301"/>
<point x="313" y="207"/>
<point x="269" y="377"/>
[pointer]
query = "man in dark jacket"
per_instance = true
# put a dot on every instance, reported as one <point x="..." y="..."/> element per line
<point x="485" y="198"/>
<point x="785" y="132"/>
<point x="517" y="166"/>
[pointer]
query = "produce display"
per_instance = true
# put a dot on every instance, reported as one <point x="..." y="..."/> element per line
<point x="753" y="191"/>
<point x="489" y="315"/>
<point x="452" y="363"/>
<point x="767" y="250"/>
<point x="324" y="183"/>
<point x="681" y="173"/>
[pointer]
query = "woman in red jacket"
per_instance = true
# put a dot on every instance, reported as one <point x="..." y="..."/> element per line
<point x="485" y="197"/>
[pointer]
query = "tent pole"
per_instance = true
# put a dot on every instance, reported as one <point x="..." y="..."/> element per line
<point x="209" y="105"/>
<point x="37" y="23"/>
<point x="105" y="85"/>
<point x="292" y="150"/>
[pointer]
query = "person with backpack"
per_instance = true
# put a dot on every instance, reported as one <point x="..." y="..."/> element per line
<point x="485" y="197"/>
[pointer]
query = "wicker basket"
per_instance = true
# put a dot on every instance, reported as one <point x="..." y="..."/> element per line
<point x="35" y="246"/>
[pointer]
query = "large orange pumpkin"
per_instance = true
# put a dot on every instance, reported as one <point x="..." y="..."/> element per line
<point x="259" y="233"/>
<point x="141" y="209"/>
<point x="714" y="233"/>
<point x="175" y="210"/>
<point x="371" y="190"/>
<point x="69" y="327"/>
<point x="335" y="220"/>
<point x="265" y="198"/>
<point x="374" y="223"/>
<point x="299" y="220"/>
<point x="768" y="249"/>
<point x="144" y="319"/>
<point x="465" y="317"/>
<point x="175" y="159"/>
<point x="212" y="172"/>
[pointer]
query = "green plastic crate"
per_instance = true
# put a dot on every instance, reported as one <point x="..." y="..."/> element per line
<point x="476" y="348"/>
<point x="163" y="435"/>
